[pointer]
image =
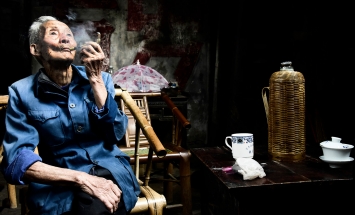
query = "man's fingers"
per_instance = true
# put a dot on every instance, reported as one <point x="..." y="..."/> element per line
<point x="117" y="192"/>
<point x="111" y="203"/>
<point x="105" y="190"/>
<point x="91" y="51"/>
<point x="113" y="196"/>
<point x="91" y="47"/>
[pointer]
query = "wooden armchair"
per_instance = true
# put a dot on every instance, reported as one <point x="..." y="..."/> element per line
<point x="10" y="187"/>
<point x="176" y="155"/>
<point x="150" y="201"/>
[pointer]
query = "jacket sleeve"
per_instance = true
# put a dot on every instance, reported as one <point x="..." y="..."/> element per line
<point x="111" y="121"/>
<point x="20" y="140"/>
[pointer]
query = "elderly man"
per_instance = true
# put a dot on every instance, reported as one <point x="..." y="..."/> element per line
<point x="69" y="112"/>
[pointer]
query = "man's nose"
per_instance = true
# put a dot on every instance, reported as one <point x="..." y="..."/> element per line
<point x="64" y="39"/>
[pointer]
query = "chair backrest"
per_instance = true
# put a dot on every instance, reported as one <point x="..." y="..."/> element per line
<point x="3" y="105"/>
<point x="142" y="104"/>
<point x="141" y="122"/>
<point x="179" y="122"/>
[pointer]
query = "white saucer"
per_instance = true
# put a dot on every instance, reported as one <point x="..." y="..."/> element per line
<point x="334" y="163"/>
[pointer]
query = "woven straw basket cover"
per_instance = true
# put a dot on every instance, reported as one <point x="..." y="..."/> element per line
<point x="285" y="114"/>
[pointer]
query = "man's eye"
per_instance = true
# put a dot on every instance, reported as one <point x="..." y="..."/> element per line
<point x="53" y="33"/>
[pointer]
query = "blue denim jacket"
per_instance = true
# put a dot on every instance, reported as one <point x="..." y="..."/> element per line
<point x="69" y="133"/>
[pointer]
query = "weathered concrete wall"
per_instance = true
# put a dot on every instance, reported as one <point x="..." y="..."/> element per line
<point x="163" y="35"/>
<point x="222" y="56"/>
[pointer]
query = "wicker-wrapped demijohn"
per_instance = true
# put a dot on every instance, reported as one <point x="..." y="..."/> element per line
<point x="285" y="113"/>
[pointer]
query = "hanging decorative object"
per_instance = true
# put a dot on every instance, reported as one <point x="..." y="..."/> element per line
<point x="139" y="78"/>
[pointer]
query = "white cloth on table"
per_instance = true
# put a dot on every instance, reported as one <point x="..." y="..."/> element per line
<point x="249" y="168"/>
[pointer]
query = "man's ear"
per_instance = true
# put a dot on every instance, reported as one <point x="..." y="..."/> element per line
<point x="34" y="50"/>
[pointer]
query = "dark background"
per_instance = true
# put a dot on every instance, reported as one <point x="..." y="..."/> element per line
<point x="247" y="42"/>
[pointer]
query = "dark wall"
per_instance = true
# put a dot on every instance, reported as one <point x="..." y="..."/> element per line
<point x="256" y="36"/>
<point x="15" y="56"/>
<point x="246" y="44"/>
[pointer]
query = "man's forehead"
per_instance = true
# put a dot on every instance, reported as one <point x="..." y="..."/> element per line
<point x="53" y="24"/>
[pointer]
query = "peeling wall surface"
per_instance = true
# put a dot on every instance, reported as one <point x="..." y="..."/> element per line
<point x="154" y="32"/>
<point x="221" y="55"/>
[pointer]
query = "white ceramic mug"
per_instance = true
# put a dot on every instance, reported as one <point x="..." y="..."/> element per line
<point x="242" y="145"/>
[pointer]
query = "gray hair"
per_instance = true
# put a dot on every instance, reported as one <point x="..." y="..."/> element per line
<point x="34" y="31"/>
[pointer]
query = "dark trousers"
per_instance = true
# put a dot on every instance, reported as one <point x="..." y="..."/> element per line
<point x="84" y="204"/>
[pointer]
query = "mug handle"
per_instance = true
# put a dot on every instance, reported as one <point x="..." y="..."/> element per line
<point x="226" y="141"/>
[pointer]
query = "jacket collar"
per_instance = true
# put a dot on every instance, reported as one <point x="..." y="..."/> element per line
<point x="44" y="85"/>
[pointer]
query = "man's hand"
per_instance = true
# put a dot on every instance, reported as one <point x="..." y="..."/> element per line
<point x="103" y="189"/>
<point x="92" y="57"/>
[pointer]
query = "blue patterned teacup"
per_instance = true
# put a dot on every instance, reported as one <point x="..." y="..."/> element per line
<point x="242" y="145"/>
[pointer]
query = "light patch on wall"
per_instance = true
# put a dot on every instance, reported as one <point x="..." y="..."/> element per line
<point x="166" y="66"/>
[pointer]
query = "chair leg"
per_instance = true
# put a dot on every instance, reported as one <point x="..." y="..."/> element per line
<point x="168" y="185"/>
<point x="23" y="201"/>
<point x="185" y="175"/>
<point x="11" y="190"/>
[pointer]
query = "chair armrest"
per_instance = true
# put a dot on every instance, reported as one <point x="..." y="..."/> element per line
<point x="4" y="99"/>
<point x="181" y="118"/>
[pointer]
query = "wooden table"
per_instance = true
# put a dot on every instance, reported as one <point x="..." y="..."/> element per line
<point x="307" y="187"/>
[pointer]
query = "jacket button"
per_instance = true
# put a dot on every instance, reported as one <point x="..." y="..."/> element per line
<point x="72" y="105"/>
<point x="79" y="129"/>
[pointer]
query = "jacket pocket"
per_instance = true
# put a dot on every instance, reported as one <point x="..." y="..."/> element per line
<point x="42" y="116"/>
<point x="48" y="125"/>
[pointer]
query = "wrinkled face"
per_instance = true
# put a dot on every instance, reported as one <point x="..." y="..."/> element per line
<point x="58" y="42"/>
